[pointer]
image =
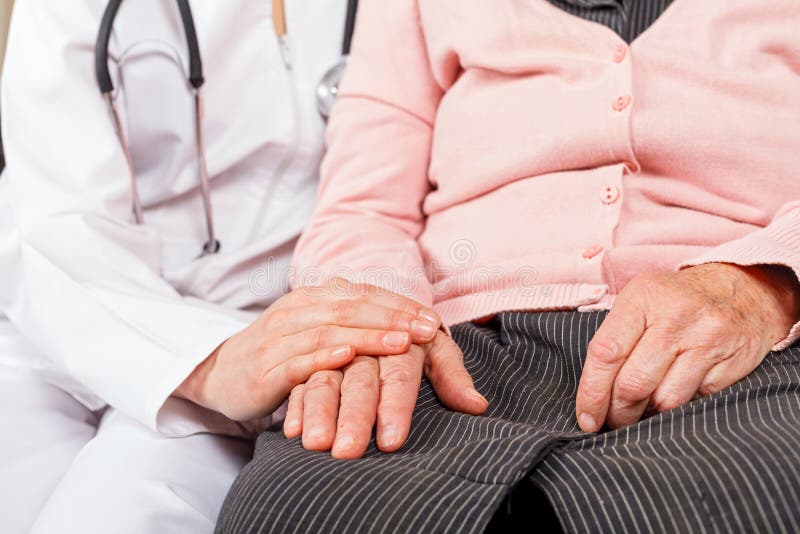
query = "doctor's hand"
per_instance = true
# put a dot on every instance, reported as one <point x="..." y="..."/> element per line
<point x="308" y="330"/>
<point x="337" y="410"/>
<point x="671" y="337"/>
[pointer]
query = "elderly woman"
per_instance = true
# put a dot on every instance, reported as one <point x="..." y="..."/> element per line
<point x="525" y="166"/>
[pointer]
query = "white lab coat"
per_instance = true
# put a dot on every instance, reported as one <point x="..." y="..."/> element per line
<point x="117" y="314"/>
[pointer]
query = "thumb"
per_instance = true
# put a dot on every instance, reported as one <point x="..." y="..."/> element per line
<point x="444" y="367"/>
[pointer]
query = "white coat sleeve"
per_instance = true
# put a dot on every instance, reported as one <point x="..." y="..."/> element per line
<point x="77" y="278"/>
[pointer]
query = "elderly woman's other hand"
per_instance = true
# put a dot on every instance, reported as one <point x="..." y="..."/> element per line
<point x="672" y="336"/>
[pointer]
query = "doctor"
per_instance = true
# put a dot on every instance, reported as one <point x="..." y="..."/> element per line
<point x="138" y="253"/>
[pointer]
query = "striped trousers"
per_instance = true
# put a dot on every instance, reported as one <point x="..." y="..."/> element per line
<point x="725" y="463"/>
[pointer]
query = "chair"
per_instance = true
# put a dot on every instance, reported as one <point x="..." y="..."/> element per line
<point x="5" y="17"/>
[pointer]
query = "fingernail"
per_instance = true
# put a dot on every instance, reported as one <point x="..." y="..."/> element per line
<point x="291" y="426"/>
<point x="341" y="352"/>
<point x="395" y="340"/>
<point x="390" y="436"/>
<point x="315" y="434"/>
<point x="428" y="316"/>
<point x="588" y="424"/>
<point x="423" y="329"/>
<point x="344" y="444"/>
<point x="477" y="395"/>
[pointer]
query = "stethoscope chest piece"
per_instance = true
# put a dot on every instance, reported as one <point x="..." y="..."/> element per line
<point x="328" y="88"/>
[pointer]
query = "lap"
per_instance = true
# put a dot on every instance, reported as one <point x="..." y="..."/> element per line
<point x="455" y="470"/>
<point x="129" y="475"/>
<point x="42" y="429"/>
<point x="729" y="462"/>
<point x="67" y="467"/>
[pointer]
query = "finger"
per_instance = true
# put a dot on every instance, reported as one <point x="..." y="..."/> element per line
<point x="683" y="379"/>
<point x="608" y="350"/>
<point x="320" y="410"/>
<point x="639" y="376"/>
<point x="372" y="342"/>
<point x="341" y="289"/>
<point x="281" y="380"/>
<point x="729" y="371"/>
<point x="358" y="408"/>
<point x="293" y="424"/>
<point x="400" y="378"/>
<point x="354" y="314"/>
<point x="444" y="367"/>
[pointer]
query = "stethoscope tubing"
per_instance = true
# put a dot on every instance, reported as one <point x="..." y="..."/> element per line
<point x="106" y="85"/>
<point x="195" y="80"/>
<point x="349" y="26"/>
<point x="329" y="83"/>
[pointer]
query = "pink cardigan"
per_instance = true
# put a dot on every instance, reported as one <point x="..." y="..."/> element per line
<point x="505" y="155"/>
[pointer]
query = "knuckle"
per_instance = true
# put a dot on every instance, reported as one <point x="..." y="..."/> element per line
<point x="445" y="353"/>
<point x="297" y="393"/>
<point x="265" y="346"/>
<point x="369" y="339"/>
<point x="342" y="311"/>
<point x="443" y="342"/>
<point x="716" y="323"/>
<point x="634" y="387"/>
<point x="397" y="318"/>
<point x="253" y="386"/>
<point x="666" y="402"/>
<point x="708" y="356"/>
<point x="322" y="380"/>
<point x="397" y="374"/>
<point x="672" y="345"/>
<point x="363" y="292"/>
<point x="337" y="287"/>
<point x="362" y="380"/>
<point x="314" y="338"/>
<point x="275" y="318"/>
<point x="322" y="337"/>
<point x="606" y="351"/>
<point x="709" y="387"/>
<point x="592" y="395"/>
<point x="294" y="371"/>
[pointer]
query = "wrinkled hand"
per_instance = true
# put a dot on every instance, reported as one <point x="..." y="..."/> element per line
<point x="338" y="409"/>
<point x="672" y="336"/>
<point x="307" y="330"/>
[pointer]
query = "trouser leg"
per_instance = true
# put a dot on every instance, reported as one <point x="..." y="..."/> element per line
<point x="726" y="463"/>
<point x="42" y="429"/>
<point x="455" y="470"/>
<point x="131" y="479"/>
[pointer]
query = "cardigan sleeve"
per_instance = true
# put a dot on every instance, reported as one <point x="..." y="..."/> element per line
<point x="776" y="244"/>
<point x="374" y="177"/>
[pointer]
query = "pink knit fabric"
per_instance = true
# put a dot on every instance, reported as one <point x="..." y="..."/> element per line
<point x="505" y="155"/>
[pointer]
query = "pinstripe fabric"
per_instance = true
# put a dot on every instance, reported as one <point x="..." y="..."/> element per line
<point x="628" y="18"/>
<point x="727" y="462"/>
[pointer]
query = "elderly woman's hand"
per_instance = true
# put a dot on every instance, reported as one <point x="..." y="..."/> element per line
<point x="337" y="410"/>
<point x="672" y="336"/>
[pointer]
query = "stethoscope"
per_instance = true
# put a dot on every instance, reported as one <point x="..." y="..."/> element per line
<point x="327" y="91"/>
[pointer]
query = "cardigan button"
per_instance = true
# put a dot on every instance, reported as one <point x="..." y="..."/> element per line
<point x="609" y="194"/>
<point x="620" y="103"/>
<point x="592" y="251"/>
<point x="619" y="53"/>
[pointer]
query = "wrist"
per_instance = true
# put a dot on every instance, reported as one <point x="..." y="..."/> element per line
<point x="781" y="289"/>
<point x="195" y="386"/>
